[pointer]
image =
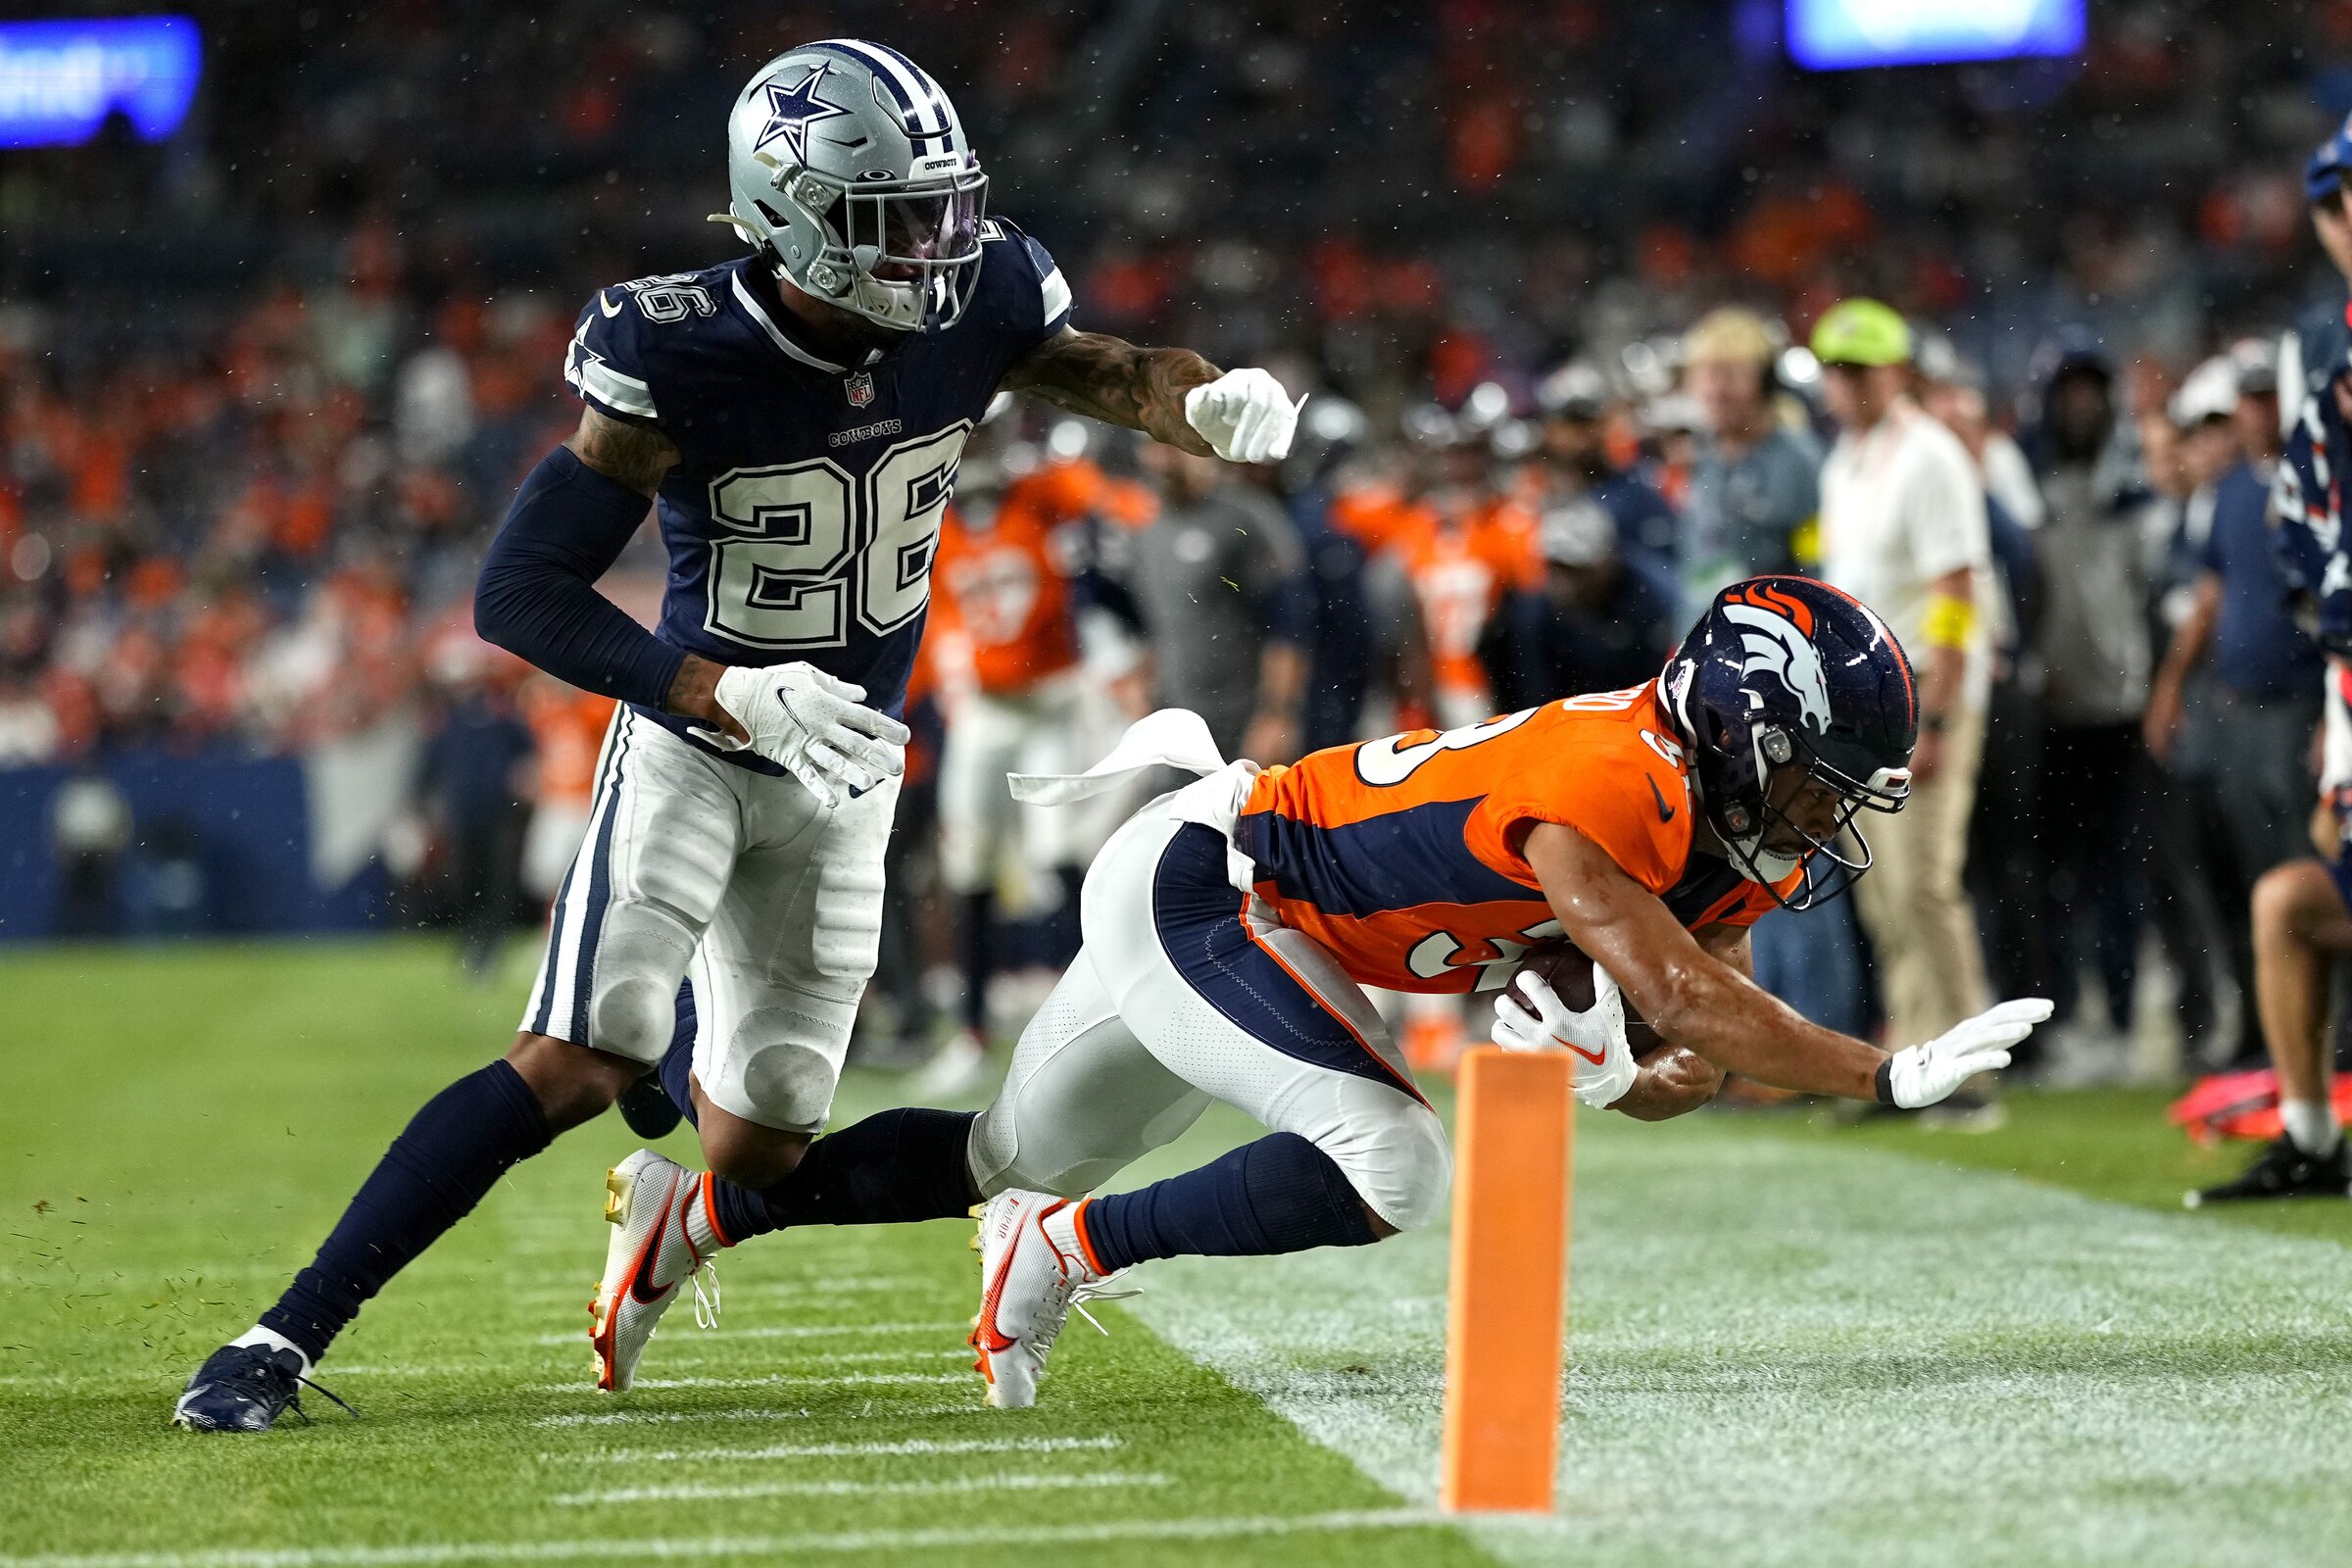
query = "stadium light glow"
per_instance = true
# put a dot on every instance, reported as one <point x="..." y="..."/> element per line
<point x="1848" y="34"/>
<point x="60" y="81"/>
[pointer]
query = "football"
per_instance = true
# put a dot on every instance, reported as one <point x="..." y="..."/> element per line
<point x="1564" y="967"/>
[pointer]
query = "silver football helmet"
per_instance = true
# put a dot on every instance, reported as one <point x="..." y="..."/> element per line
<point x="848" y="167"/>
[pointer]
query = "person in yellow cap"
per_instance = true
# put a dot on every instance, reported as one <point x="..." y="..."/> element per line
<point x="1903" y="531"/>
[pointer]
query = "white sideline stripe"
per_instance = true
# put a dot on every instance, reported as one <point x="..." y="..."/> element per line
<point x="796" y="1331"/>
<point x="782" y="1380"/>
<point x="455" y="1368"/>
<point x="859" y="1284"/>
<point x="620" y="1418"/>
<point x="839" y="1451"/>
<point x="859" y="1489"/>
<point x="768" y="1546"/>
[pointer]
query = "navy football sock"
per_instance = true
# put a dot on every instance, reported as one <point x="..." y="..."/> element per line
<point x="895" y="1166"/>
<point x="452" y="1152"/>
<point x="677" y="1062"/>
<point x="1279" y="1195"/>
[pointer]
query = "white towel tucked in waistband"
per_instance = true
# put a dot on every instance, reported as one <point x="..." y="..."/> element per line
<point x="1173" y="737"/>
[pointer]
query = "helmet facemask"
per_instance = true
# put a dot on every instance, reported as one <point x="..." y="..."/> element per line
<point x="1766" y="841"/>
<point x="905" y="254"/>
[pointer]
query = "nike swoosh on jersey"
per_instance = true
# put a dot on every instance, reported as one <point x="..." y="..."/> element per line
<point x="610" y="308"/>
<point x="1665" y="812"/>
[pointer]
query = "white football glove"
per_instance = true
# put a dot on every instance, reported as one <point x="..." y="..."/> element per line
<point x="814" y="726"/>
<point x="1922" y="1075"/>
<point x="1595" y="1037"/>
<point x="1245" y="415"/>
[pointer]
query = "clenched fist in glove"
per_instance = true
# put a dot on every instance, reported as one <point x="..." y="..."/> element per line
<point x="1922" y="1075"/>
<point x="1537" y="1019"/>
<point x="814" y="726"/>
<point x="1245" y="416"/>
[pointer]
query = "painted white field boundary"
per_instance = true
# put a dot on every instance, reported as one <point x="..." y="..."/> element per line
<point x="624" y="1418"/>
<point x="771" y="1547"/>
<point x="794" y="1331"/>
<point x="1854" y="1360"/>
<point x="784" y="1380"/>
<point x="838" y="1450"/>
<point x="699" y="1492"/>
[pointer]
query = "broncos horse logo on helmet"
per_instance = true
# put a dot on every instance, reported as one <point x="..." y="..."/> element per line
<point x="1788" y="678"/>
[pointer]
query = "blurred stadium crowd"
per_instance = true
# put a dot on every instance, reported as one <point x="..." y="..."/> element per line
<point x="266" y="390"/>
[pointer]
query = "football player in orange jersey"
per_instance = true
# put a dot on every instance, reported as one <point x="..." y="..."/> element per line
<point x="1014" y="568"/>
<point x="1230" y="927"/>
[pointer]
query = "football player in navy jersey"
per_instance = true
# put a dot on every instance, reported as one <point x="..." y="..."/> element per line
<point x="794" y="416"/>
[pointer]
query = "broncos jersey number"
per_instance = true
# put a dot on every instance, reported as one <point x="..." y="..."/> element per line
<point x="1385" y="761"/>
<point x="810" y="551"/>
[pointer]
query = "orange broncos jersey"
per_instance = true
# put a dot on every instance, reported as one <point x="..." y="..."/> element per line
<point x="1007" y="587"/>
<point x="1459" y="574"/>
<point x="1402" y="855"/>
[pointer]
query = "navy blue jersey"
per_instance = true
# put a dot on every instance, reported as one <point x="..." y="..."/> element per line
<point x="803" y="514"/>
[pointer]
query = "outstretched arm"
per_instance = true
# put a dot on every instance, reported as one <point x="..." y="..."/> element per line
<point x="1694" y="998"/>
<point x="1675" y="1081"/>
<point x="1112" y="379"/>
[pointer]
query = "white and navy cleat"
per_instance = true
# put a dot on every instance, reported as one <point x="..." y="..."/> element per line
<point x="663" y="1235"/>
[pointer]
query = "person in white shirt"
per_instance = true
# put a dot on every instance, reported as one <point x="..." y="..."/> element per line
<point x="1903" y="531"/>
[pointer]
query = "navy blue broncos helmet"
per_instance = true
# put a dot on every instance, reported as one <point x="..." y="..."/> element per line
<point x="1783" y="674"/>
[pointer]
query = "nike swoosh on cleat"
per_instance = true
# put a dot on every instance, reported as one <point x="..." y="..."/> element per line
<point x="1665" y="812"/>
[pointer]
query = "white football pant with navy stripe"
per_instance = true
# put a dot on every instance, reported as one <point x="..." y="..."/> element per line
<point x="772" y="901"/>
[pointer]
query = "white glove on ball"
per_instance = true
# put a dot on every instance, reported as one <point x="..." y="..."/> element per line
<point x="1922" y="1075"/>
<point x="1595" y="1037"/>
<point x="814" y="726"/>
<point x="1245" y="415"/>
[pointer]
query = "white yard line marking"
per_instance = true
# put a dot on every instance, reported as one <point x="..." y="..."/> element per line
<point x="771" y="1547"/>
<point x="841" y="1451"/>
<point x="622" y="1418"/>
<point x="782" y="1380"/>
<point x="795" y="1331"/>
<point x="859" y="1488"/>
<point x="822" y="1358"/>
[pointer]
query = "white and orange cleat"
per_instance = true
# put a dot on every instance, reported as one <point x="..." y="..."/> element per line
<point x="663" y="1235"/>
<point x="1035" y="1267"/>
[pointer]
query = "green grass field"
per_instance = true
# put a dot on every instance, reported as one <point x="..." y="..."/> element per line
<point x="1792" y="1344"/>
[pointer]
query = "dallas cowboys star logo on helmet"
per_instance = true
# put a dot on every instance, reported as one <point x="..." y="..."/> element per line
<point x="791" y="111"/>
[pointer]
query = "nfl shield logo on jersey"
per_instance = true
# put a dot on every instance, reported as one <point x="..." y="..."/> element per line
<point x="859" y="390"/>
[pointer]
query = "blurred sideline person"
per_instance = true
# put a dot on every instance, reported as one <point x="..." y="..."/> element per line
<point x="1903" y="531"/>
<point x="1220" y="581"/>
<point x="1754" y="498"/>
<point x="2311" y="351"/>
<point x="2256" y="675"/>
<point x="567" y="730"/>
<point x="1754" y="507"/>
<point x="1597" y="621"/>
<point x="1574" y="460"/>
<point x="1014" y="570"/>
<point x="2097" y="652"/>
<point x="798" y="411"/>
<point x="2302" y="928"/>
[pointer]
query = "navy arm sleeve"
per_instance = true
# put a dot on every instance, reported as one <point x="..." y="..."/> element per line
<point x="536" y="595"/>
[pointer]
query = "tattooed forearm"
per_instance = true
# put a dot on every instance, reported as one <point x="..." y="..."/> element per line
<point x="637" y="455"/>
<point x="1113" y="380"/>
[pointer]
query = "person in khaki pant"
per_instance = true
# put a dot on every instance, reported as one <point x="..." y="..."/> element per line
<point x="1903" y="531"/>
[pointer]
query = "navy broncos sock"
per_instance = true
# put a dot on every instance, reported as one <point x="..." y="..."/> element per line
<point x="1279" y="1195"/>
<point x="895" y="1166"/>
<point x="450" y="1153"/>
